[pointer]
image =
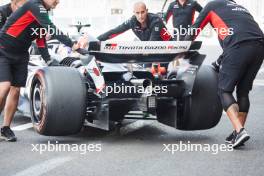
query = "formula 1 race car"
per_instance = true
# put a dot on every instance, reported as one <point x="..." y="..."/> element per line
<point x="107" y="81"/>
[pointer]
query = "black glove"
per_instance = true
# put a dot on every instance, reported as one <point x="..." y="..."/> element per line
<point x="82" y="51"/>
<point x="52" y="62"/>
<point x="94" y="46"/>
<point x="216" y="65"/>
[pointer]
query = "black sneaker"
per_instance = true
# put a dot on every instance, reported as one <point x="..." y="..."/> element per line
<point x="8" y="134"/>
<point x="241" y="138"/>
<point x="231" y="137"/>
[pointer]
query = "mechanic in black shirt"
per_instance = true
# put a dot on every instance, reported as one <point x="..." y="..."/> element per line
<point x="182" y="12"/>
<point x="146" y="26"/>
<point x="28" y="23"/>
<point x="243" y="50"/>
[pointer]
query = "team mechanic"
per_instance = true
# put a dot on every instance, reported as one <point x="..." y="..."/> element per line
<point x="146" y="26"/>
<point x="16" y="37"/>
<point x="5" y="12"/>
<point x="242" y="57"/>
<point x="182" y="13"/>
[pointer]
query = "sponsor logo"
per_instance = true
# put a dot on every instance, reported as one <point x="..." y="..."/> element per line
<point x="156" y="29"/>
<point x="42" y="9"/>
<point x="176" y="6"/>
<point x="239" y="9"/>
<point x="110" y="46"/>
<point x="168" y="47"/>
<point x="177" y="47"/>
<point x="138" y="29"/>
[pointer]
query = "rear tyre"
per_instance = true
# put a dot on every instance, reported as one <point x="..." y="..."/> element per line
<point x="203" y="109"/>
<point x="57" y="101"/>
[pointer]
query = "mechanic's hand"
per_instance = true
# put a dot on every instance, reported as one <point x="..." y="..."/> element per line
<point x="52" y="62"/>
<point x="180" y="56"/>
<point x="83" y="42"/>
<point x="216" y="66"/>
<point x="48" y="37"/>
<point x="75" y="46"/>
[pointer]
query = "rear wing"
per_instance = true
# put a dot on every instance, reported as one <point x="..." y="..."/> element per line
<point x="141" y="51"/>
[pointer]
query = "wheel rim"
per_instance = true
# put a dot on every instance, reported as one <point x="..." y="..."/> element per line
<point x="37" y="103"/>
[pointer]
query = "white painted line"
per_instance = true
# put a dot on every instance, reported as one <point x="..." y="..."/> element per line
<point x="134" y="126"/>
<point x="259" y="82"/>
<point x="44" y="167"/>
<point x="22" y="127"/>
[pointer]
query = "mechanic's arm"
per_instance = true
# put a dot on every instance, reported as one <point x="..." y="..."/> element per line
<point x="2" y="20"/>
<point x="159" y="32"/>
<point x="42" y="17"/>
<point x="43" y="49"/>
<point x="168" y="13"/>
<point x="202" y="20"/>
<point x="115" y="32"/>
<point x="198" y="7"/>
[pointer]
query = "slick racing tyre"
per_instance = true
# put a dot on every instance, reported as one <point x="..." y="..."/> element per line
<point x="57" y="101"/>
<point x="203" y="109"/>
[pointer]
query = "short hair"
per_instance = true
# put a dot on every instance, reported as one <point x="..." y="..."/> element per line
<point x="140" y="3"/>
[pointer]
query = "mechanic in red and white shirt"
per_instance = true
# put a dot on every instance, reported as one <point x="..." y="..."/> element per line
<point x="25" y="25"/>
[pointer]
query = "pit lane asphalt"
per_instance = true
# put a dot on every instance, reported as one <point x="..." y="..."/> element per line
<point x="139" y="150"/>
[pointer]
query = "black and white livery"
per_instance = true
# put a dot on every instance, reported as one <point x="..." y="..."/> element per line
<point x="60" y="100"/>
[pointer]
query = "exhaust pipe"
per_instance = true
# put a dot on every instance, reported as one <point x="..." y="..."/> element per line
<point x="141" y="82"/>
